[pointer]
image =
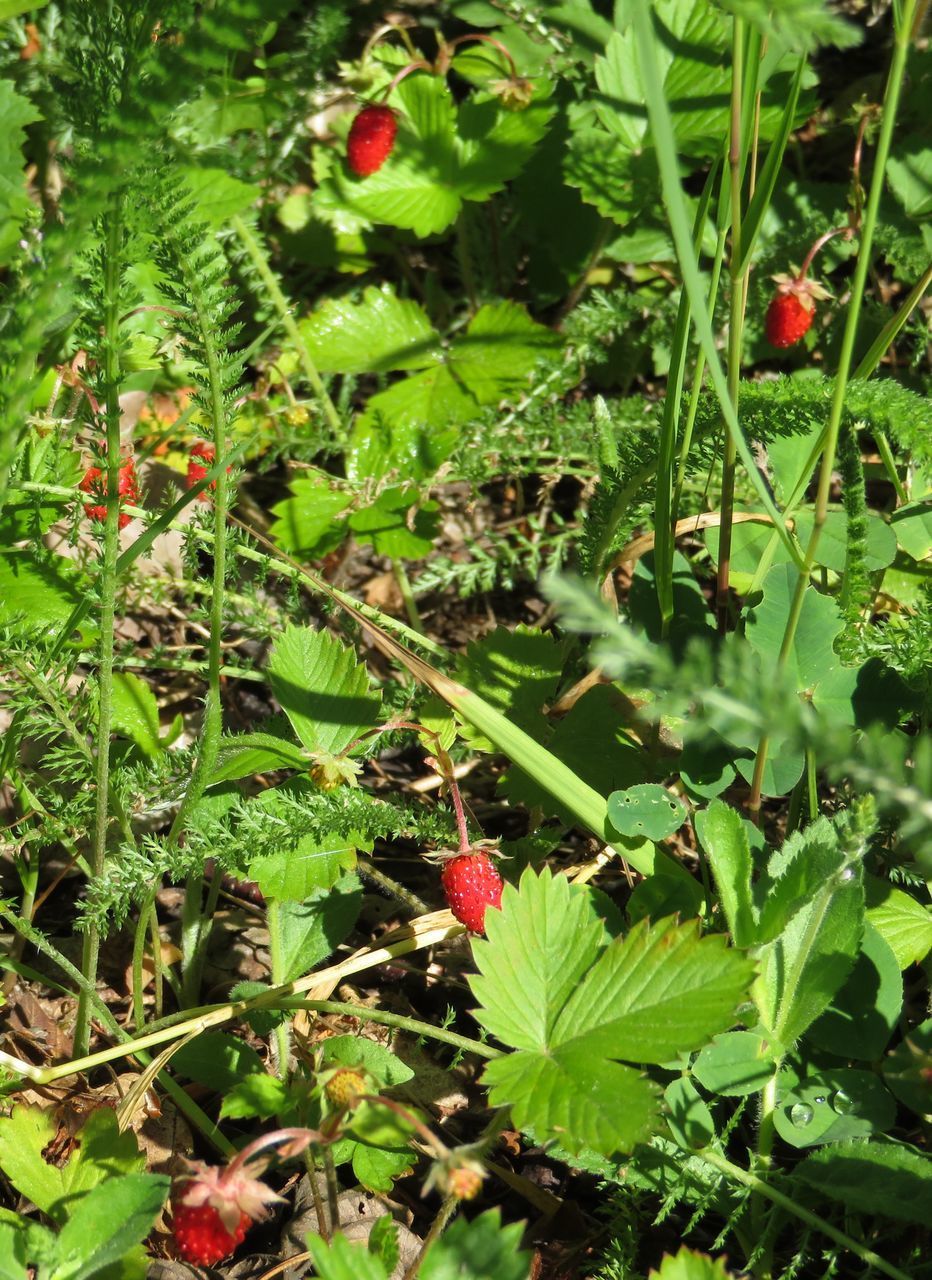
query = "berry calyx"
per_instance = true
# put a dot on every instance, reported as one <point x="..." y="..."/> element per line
<point x="201" y="1236"/>
<point x="792" y="309"/>
<point x="371" y="138"/>
<point x="94" y="483"/>
<point x="471" y="883"/>
<point x="213" y="1208"/>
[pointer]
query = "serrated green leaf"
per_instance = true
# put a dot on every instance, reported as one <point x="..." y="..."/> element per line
<point x="553" y="938"/>
<point x="646" y="810"/>
<point x="385" y="1067"/>
<point x="570" y="1094"/>
<point x="545" y="990"/>
<point x="803" y="967"/>
<point x="517" y="672"/>
<point x="37" y="592"/>
<point x="292" y="874"/>
<point x="873" y="1178"/>
<point x="243" y="754"/>
<point x="499" y="350"/>
<point x="108" y="1221"/>
<point x="308" y="523"/>
<point x="218" y="1060"/>
<point x="24" y="1135"/>
<point x="258" y="1095"/>
<point x="687" y="1264"/>
<point x="16" y="112"/>
<point x="322" y="688"/>
<point x="478" y="1250"/>
<point x="880" y="540"/>
<point x="812" y="653"/>
<point x="735" y="1064"/>
<point x="903" y="923"/>
<point x="725" y="841"/>
<point x="136" y="712"/>
<point x="660" y="991"/>
<point x="381" y="332"/>
<point x="103" y="1153"/>
<point x="337" y="1259"/>
<point x="397" y="524"/>
<point x="219" y="194"/>
<point x="313" y="929"/>
<point x="378" y="1167"/>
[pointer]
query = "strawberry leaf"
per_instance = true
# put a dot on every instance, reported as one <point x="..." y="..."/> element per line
<point x="322" y="688"/>
<point x="577" y="1010"/>
<point x="380" y="333"/>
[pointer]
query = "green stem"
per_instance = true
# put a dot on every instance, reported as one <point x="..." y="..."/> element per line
<point x="216" y="1015"/>
<point x="812" y="1220"/>
<point x="113" y="259"/>
<point x="891" y="102"/>
<point x="276" y="952"/>
<point x="139" y="954"/>
<point x="407" y="595"/>
<point x="736" y="318"/>
<point x="437" y="1228"/>
<point x="266" y="274"/>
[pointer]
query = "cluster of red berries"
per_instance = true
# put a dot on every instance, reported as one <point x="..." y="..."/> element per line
<point x="94" y="483"/>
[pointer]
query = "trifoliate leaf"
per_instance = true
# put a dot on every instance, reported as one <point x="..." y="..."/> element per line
<point x="572" y="1007"/>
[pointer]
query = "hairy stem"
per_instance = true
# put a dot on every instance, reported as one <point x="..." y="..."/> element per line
<point x="267" y="275"/>
<point x="113" y="261"/>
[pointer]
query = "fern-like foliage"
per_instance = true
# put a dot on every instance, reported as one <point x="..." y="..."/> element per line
<point x="790" y="406"/>
<point x="251" y="828"/>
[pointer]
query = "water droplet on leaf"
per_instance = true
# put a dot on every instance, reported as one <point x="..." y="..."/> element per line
<point x="800" y="1114"/>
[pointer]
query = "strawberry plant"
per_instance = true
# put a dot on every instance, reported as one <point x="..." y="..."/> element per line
<point x="465" y="529"/>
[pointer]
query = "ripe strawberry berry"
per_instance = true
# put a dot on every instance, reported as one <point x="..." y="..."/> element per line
<point x="792" y="309"/>
<point x="371" y="138"/>
<point x="788" y="318"/>
<point x="471" y="883"/>
<point x="201" y="1236"/>
<point x="213" y="1207"/>
<point x="94" y="483"/>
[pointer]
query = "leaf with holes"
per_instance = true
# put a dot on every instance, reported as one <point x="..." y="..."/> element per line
<point x="646" y="810"/>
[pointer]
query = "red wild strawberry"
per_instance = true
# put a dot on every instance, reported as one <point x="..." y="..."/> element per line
<point x="788" y="318"/>
<point x="213" y="1208"/>
<point x="201" y="1236"/>
<point x="792" y="309"/>
<point x="371" y="138"/>
<point x="471" y="883"/>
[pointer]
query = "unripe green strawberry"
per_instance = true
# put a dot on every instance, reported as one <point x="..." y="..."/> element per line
<point x="345" y="1087"/>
